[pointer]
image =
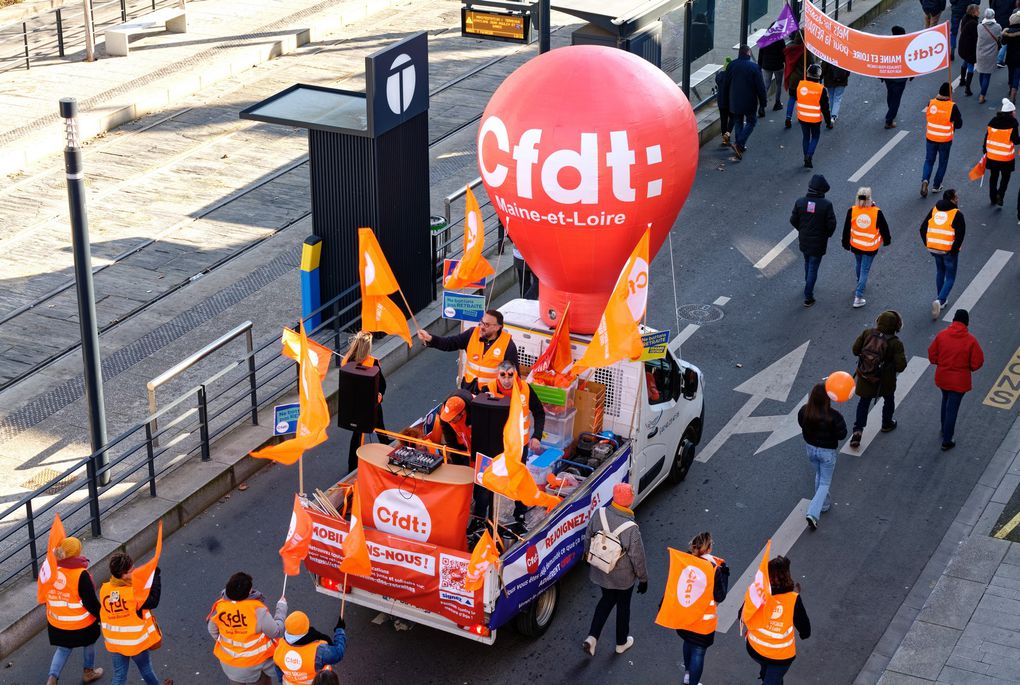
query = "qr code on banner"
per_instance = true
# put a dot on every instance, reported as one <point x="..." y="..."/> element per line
<point x="452" y="574"/>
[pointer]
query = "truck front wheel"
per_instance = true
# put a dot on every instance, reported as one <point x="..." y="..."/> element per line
<point x="537" y="617"/>
<point x="682" y="461"/>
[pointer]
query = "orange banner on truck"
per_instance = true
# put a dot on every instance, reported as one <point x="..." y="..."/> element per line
<point x="867" y="54"/>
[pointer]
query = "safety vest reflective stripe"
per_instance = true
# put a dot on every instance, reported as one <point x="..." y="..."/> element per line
<point x="999" y="145"/>
<point x="939" y="114"/>
<point x="774" y="639"/>
<point x="773" y="645"/>
<point x="864" y="233"/>
<point x="940" y="234"/>
<point x="481" y="363"/>
<point x="66" y="618"/>
<point x="809" y="99"/>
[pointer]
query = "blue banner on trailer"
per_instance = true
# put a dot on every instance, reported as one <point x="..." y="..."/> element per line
<point x="285" y="418"/>
<point x="548" y="555"/>
<point x="462" y="307"/>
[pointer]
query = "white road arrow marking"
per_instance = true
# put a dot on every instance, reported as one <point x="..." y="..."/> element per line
<point x="772" y="383"/>
<point x="904" y="382"/>
<point x="782" y="543"/>
<point x="980" y="284"/>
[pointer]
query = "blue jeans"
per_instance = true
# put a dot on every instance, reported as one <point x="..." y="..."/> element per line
<point x="1001" y="57"/>
<point x="811" y="134"/>
<point x="862" y="266"/>
<point x="945" y="275"/>
<point x="933" y="149"/>
<point x="694" y="661"/>
<point x="864" y="406"/>
<point x="824" y="462"/>
<point x="61" y="655"/>
<point x="950" y="408"/>
<point x="791" y="102"/>
<point x="811" y="264"/>
<point x="983" y="81"/>
<point x="743" y="124"/>
<point x="893" y="95"/>
<point x="835" y="98"/>
<point x="142" y="661"/>
<point x="772" y="674"/>
<point x="1014" y="77"/>
<point x="967" y="68"/>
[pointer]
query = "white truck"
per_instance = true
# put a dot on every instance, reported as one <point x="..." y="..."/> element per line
<point x="655" y="406"/>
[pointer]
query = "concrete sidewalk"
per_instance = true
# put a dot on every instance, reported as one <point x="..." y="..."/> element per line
<point x="962" y="618"/>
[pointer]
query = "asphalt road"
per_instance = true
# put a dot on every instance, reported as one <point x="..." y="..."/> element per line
<point x="892" y="504"/>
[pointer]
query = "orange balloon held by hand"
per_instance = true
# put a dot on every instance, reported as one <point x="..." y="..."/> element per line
<point x="839" y="386"/>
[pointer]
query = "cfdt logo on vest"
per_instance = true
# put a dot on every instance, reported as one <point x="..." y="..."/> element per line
<point x="691" y="586"/>
<point x="403" y="514"/>
<point x="926" y="52"/>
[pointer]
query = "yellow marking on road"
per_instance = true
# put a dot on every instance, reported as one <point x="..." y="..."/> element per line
<point x="1008" y="528"/>
<point x="1006" y="389"/>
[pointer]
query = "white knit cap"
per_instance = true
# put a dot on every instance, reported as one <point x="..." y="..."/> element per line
<point x="1007" y="105"/>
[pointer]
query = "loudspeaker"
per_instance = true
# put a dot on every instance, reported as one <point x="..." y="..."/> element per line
<point x="359" y="394"/>
<point x="488" y="417"/>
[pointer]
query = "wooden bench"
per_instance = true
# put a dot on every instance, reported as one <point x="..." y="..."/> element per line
<point x="172" y="19"/>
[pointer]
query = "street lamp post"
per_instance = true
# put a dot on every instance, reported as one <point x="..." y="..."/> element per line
<point x="743" y="21"/>
<point x="93" y="371"/>
<point x="544" y="12"/>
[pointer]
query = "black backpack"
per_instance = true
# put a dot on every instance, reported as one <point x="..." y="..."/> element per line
<point x="872" y="356"/>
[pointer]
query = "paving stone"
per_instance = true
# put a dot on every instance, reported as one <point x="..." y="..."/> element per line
<point x="966" y="664"/>
<point x="952" y="602"/>
<point x="1013" y="554"/>
<point x="978" y="558"/>
<point x="924" y="650"/>
<point x="960" y="677"/>
<point x="891" y="678"/>
<point x="989" y="633"/>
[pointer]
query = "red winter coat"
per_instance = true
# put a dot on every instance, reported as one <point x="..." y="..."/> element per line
<point x="955" y="354"/>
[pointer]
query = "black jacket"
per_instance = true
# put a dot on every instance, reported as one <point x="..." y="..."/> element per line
<point x="814" y="218"/>
<point x="959" y="10"/>
<point x="747" y="87"/>
<point x="959" y="225"/>
<point x="1001" y="121"/>
<point x="1011" y="39"/>
<point x="833" y="76"/>
<point x="883" y="230"/>
<point x="966" y="42"/>
<point x="770" y="57"/>
<point x="1003" y="8"/>
<point x="722" y="88"/>
<point x="825" y="434"/>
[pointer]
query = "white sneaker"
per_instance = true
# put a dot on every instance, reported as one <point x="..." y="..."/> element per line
<point x="936" y="309"/>
<point x="859" y="302"/>
<point x="687" y="678"/>
<point x="589" y="645"/>
<point x="620" y="649"/>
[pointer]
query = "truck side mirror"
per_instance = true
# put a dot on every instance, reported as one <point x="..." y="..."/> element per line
<point x="690" y="383"/>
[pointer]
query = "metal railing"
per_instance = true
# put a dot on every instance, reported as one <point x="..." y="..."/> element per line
<point x="187" y="426"/>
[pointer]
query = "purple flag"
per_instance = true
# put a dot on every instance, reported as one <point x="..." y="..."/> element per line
<point x="784" y="25"/>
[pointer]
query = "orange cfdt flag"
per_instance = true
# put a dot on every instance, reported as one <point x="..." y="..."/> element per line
<point x="143" y="576"/>
<point x="557" y="356"/>
<point x="299" y="536"/>
<point x="617" y="336"/>
<point x="978" y="171"/>
<point x="355" y="549"/>
<point x="687" y="595"/>
<point x="378" y="312"/>
<point x="758" y="594"/>
<point x="320" y="354"/>
<point x="483" y="557"/>
<point x="313" y="418"/>
<point x="473" y="266"/>
<point x="49" y="568"/>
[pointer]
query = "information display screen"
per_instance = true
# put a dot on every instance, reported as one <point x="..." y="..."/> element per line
<point x="493" y="24"/>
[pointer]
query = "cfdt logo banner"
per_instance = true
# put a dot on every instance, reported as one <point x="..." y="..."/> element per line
<point x="868" y="54"/>
<point x="397" y="79"/>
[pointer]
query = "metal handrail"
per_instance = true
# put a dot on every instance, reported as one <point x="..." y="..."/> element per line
<point x="185" y="364"/>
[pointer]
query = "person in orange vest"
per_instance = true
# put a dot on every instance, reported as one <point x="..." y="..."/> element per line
<point x="485" y="346"/>
<point x="129" y="629"/>
<point x="773" y="645"/>
<point x="360" y="352"/>
<point x="942" y="232"/>
<point x="304" y="651"/>
<point x="453" y="428"/>
<point x="72" y="610"/>
<point x="864" y="229"/>
<point x="999" y="148"/>
<point x="700" y="635"/>
<point x="245" y="631"/>
<point x="943" y="118"/>
<point x="812" y="107"/>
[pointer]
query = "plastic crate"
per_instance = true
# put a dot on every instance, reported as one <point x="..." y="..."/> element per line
<point x="543" y="464"/>
<point x="559" y="429"/>
<point x="555" y="400"/>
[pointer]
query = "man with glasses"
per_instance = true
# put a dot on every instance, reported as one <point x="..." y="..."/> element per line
<point x="485" y="346"/>
<point x="506" y="377"/>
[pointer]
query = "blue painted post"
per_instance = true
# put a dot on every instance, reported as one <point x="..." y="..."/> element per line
<point x="311" y="295"/>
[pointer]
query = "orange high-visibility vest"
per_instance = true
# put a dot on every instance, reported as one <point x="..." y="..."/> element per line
<point x="494" y="388"/>
<point x="940" y="234"/>
<point x="775" y="639"/>
<point x="240" y="642"/>
<point x="999" y="146"/>
<point x="864" y="233"/>
<point x="940" y="125"/>
<point x="296" y="663"/>
<point x="481" y="364"/>
<point x="123" y="631"/>
<point x="698" y="616"/>
<point x="809" y="102"/>
<point x="64" y="609"/>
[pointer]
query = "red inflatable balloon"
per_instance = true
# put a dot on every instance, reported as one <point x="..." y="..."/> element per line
<point x="580" y="150"/>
